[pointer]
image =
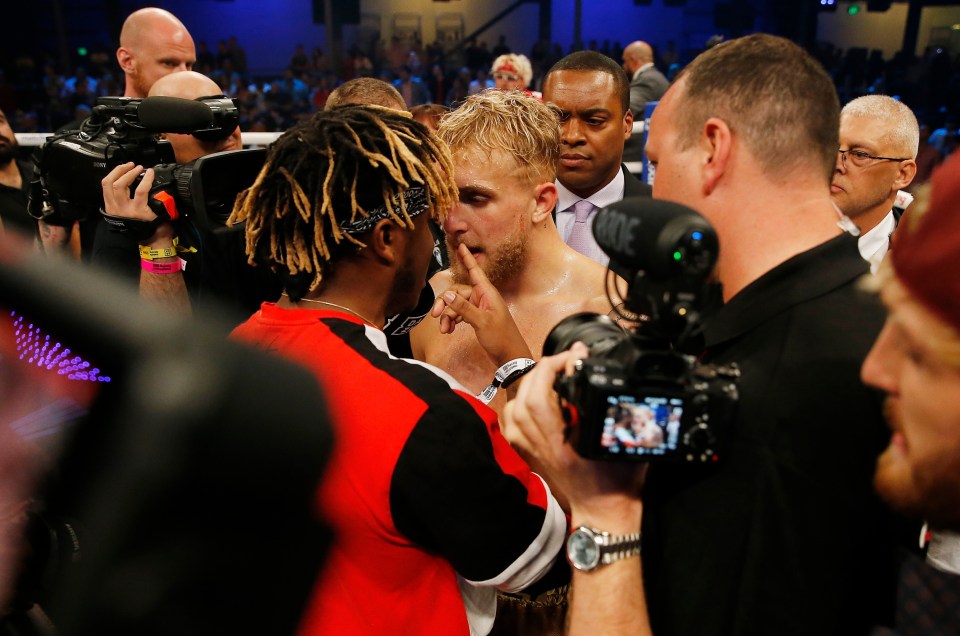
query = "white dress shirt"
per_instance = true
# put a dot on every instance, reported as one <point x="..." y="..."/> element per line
<point x="874" y="244"/>
<point x="609" y="194"/>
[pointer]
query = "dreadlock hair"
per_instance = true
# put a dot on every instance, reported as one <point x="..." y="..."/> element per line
<point x="337" y="167"/>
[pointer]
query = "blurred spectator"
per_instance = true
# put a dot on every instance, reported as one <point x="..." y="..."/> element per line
<point x="928" y="158"/>
<point x="482" y="83"/>
<point x="299" y="62"/>
<point x="238" y="56"/>
<point x="15" y="176"/>
<point x="396" y="54"/>
<point x="940" y="138"/>
<point x="318" y="61"/>
<point x="411" y="87"/>
<point x="205" y="59"/>
<point x="80" y="83"/>
<point x="502" y="48"/>
<point x="436" y="83"/>
<point x="320" y="92"/>
<point x="457" y="93"/>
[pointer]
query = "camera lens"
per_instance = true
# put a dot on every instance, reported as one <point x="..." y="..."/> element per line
<point x="598" y="332"/>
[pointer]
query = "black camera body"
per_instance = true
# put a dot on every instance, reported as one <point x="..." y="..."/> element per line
<point x="639" y="396"/>
<point x="627" y="403"/>
<point x="71" y="164"/>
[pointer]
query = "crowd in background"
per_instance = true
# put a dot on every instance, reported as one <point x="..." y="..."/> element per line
<point x="41" y="95"/>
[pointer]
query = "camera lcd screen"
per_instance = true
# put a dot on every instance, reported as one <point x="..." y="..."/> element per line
<point x="641" y="425"/>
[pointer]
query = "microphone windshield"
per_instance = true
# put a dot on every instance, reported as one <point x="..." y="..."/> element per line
<point x="174" y="114"/>
<point x="660" y="238"/>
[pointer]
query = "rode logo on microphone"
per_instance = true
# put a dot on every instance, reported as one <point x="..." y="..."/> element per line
<point x="617" y="231"/>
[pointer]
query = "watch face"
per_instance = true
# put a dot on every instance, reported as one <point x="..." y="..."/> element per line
<point x="583" y="551"/>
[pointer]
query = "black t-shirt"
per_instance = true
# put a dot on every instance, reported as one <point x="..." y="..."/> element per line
<point x="785" y="534"/>
<point x="13" y="202"/>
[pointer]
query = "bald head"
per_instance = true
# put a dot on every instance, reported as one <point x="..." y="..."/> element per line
<point x="186" y="84"/>
<point x="636" y="55"/>
<point x="191" y="85"/>
<point x="153" y="43"/>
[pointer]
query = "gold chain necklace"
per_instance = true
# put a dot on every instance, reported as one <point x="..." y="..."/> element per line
<point x="324" y="302"/>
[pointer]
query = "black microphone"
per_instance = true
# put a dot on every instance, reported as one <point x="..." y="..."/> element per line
<point x="174" y="114"/>
<point x="660" y="238"/>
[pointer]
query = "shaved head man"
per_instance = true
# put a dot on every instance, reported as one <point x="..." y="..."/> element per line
<point x="153" y="43"/>
<point x="647" y="84"/>
<point x="636" y="55"/>
<point x="191" y="85"/>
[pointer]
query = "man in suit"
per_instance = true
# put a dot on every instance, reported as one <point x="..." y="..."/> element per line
<point x="411" y="87"/>
<point x="593" y="96"/>
<point x="647" y="84"/>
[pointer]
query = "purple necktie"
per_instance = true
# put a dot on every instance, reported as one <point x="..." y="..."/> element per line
<point x="580" y="236"/>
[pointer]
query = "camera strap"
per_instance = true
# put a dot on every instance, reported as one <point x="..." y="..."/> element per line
<point x="505" y="376"/>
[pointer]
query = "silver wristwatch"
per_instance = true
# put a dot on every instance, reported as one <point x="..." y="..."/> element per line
<point x="589" y="548"/>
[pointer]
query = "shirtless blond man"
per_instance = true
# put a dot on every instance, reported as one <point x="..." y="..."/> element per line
<point x="505" y="148"/>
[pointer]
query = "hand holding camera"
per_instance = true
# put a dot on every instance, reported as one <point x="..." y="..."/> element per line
<point x="125" y="198"/>
<point x="535" y="425"/>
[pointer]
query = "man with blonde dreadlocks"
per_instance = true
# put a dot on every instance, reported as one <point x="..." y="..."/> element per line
<point x="421" y="479"/>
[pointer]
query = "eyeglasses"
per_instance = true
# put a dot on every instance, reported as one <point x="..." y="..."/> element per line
<point x="861" y="159"/>
<point x="505" y="76"/>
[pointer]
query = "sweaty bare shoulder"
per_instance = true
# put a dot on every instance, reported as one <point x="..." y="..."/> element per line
<point x="589" y="282"/>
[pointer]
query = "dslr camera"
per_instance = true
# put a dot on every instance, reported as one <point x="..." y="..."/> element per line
<point x="637" y="396"/>
<point x="71" y="164"/>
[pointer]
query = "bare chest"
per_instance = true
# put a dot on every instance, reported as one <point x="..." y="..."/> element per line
<point x="461" y="356"/>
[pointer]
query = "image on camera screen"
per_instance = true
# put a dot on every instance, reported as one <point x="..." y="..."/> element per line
<point x="641" y="426"/>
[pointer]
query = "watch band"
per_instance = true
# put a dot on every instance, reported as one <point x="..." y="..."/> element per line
<point x="620" y="547"/>
<point x="589" y="548"/>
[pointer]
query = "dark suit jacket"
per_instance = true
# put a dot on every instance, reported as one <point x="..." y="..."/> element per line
<point x="649" y="86"/>
<point x="632" y="187"/>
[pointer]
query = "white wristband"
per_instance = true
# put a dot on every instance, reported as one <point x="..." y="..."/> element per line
<point x="508" y="373"/>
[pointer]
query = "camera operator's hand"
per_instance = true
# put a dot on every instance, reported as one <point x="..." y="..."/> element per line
<point x="609" y="600"/>
<point x="118" y="202"/>
<point x="480" y="305"/>
<point x="534" y="425"/>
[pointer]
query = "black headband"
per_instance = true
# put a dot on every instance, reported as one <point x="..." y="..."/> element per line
<point x="414" y="200"/>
